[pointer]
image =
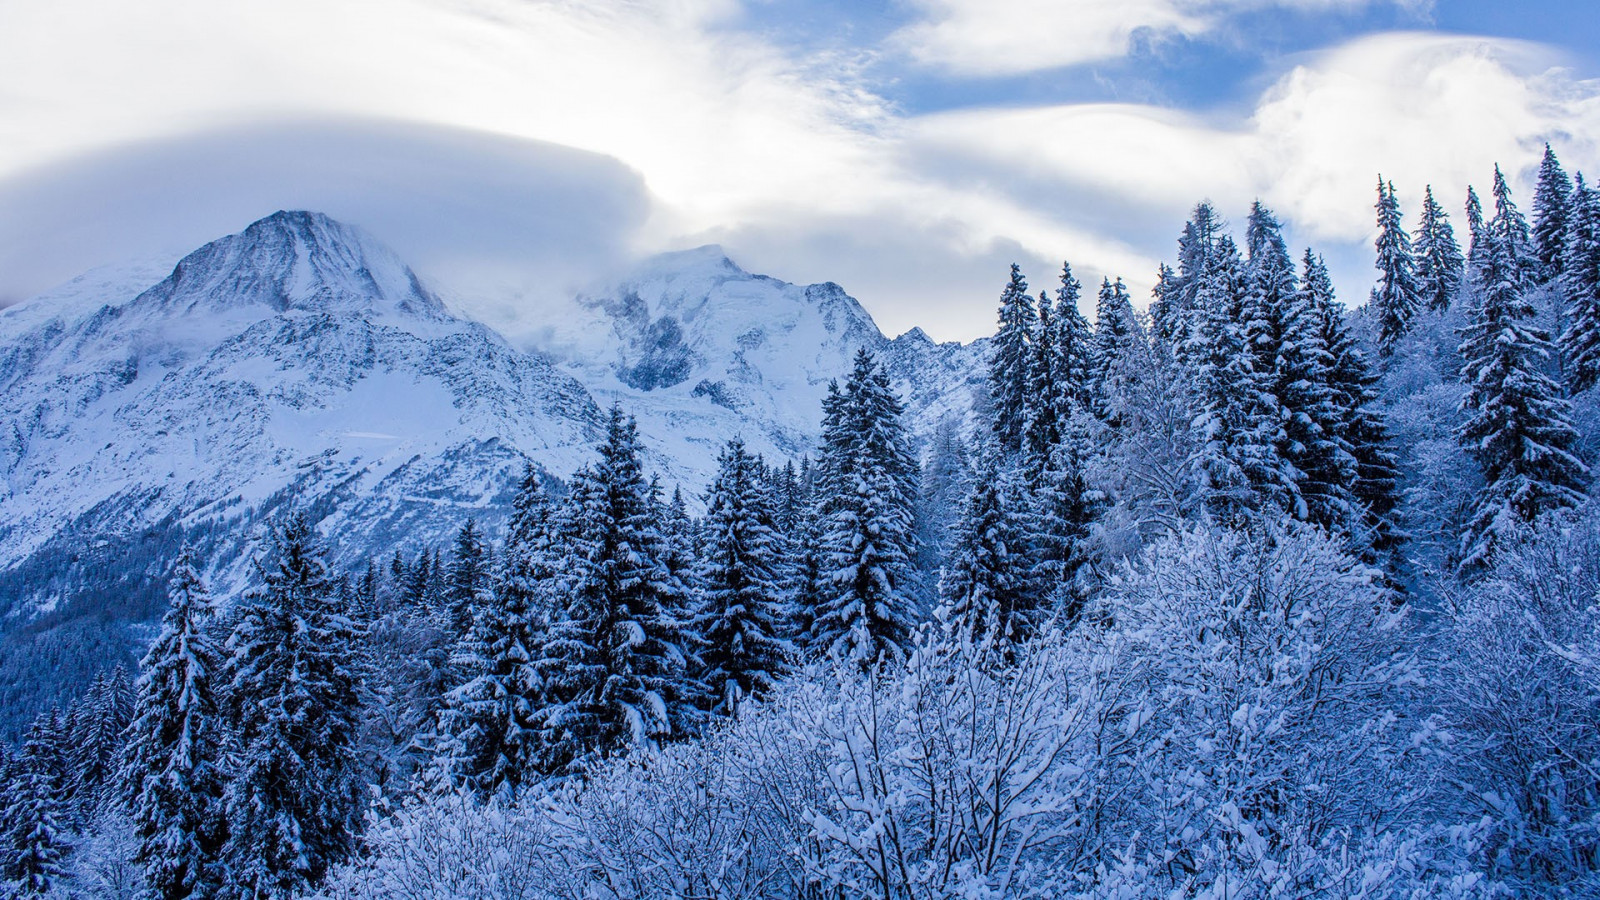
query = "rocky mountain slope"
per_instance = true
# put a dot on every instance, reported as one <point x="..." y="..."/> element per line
<point x="299" y="364"/>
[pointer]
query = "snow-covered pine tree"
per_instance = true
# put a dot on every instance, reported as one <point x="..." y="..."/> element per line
<point x="1115" y="327"/>
<point x="740" y="610"/>
<point x="1361" y="429"/>
<point x="1580" y="288"/>
<point x="467" y="580"/>
<point x="1176" y="313"/>
<point x="1396" y="298"/>
<point x="1235" y="427"/>
<point x="36" y="847"/>
<point x="613" y="663"/>
<point x="1043" y="427"/>
<point x="1060" y="508"/>
<point x="175" y="757"/>
<point x="492" y="742"/>
<point x="1439" y="261"/>
<point x="1315" y="362"/>
<point x="1552" y="208"/>
<point x="681" y="534"/>
<point x="983" y="587"/>
<point x="1284" y="360"/>
<point x="1519" y="430"/>
<point x="1010" y="362"/>
<point x="1062" y="368"/>
<point x="945" y="472"/>
<point x="1475" y="247"/>
<point x="867" y="506"/>
<point x="293" y="796"/>
<point x="97" y="741"/>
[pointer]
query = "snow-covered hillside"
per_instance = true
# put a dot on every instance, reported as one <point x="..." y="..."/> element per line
<point x="299" y="363"/>
<point x="701" y="350"/>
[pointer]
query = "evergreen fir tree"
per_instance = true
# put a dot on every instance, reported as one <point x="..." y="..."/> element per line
<point x="36" y="846"/>
<point x="96" y="741"/>
<point x="1311" y="375"/>
<point x="1063" y="365"/>
<point x="176" y="746"/>
<point x="1475" y="232"/>
<point x="1009" y="366"/>
<point x="1439" y="261"/>
<point x="1360" y="430"/>
<point x="1285" y="361"/>
<point x="1580" y="287"/>
<point x="1552" y="208"/>
<point x="982" y="588"/>
<point x="1060" y="508"/>
<point x="467" y="581"/>
<point x="1115" y="327"/>
<point x="1043" y="427"/>
<point x="493" y="744"/>
<point x="1237" y="422"/>
<point x="1177" y="314"/>
<point x="1396" y="297"/>
<point x="739" y="617"/>
<point x="292" y="800"/>
<point x="613" y="662"/>
<point x="867" y="499"/>
<point x="1519" y="431"/>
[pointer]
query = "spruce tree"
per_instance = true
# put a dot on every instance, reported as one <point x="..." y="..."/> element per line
<point x="467" y="580"/>
<point x="867" y="508"/>
<point x="176" y="747"/>
<point x="1360" y="429"/>
<point x="1439" y="262"/>
<point x="983" y="588"/>
<point x="493" y="743"/>
<point x="1396" y="297"/>
<point x="1043" y="427"/>
<point x="1519" y="430"/>
<point x="1580" y="288"/>
<point x="1552" y="209"/>
<point x="1115" y="327"/>
<point x="1475" y="231"/>
<point x="36" y="846"/>
<point x="1285" y="360"/>
<point x="96" y="743"/>
<point x="1237" y="420"/>
<point x="741" y="604"/>
<point x="1010" y="362"/>
<point x="293" y="796"/>
<point x="1326" y="383"/>
<point x="613" y="662"/>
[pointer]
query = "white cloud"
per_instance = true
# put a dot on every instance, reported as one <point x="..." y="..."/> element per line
<point x="1007" y="37"/>
<point x="1419" y="108"/>
<point x="181" y="119"/>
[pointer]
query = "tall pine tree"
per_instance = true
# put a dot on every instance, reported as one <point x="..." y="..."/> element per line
<point x="983" y="588"/>
<point x="867" y="507"/>
<point x="613" y="662"/>
<point x="176" y="745"/>
<point x="741" y="605"/>
<point x="1439" y="262"/>
<point x="293" y="797"/>
<point x="1010" y="366"/>
<point x="1552" y="209"/>
<point x="1396" y="297"/>
<point x="493" y="742"/>
<point x="1519" y="430"/>
<point x="1580" y="288"/>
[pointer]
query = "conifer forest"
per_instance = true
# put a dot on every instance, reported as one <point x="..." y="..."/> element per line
<point x="1241" y="590"/>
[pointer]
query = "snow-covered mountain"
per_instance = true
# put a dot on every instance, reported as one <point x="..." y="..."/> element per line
<point x="301" y="364"/>
<point x="701" y="350"/>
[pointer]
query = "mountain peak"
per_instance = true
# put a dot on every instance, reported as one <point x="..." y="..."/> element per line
<point x="296" y="260"/>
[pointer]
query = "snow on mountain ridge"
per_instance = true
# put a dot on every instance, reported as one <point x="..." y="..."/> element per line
<point x="299" y="363"/>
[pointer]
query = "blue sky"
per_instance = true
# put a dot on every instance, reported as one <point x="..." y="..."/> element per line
<point x="519" y="150"/>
